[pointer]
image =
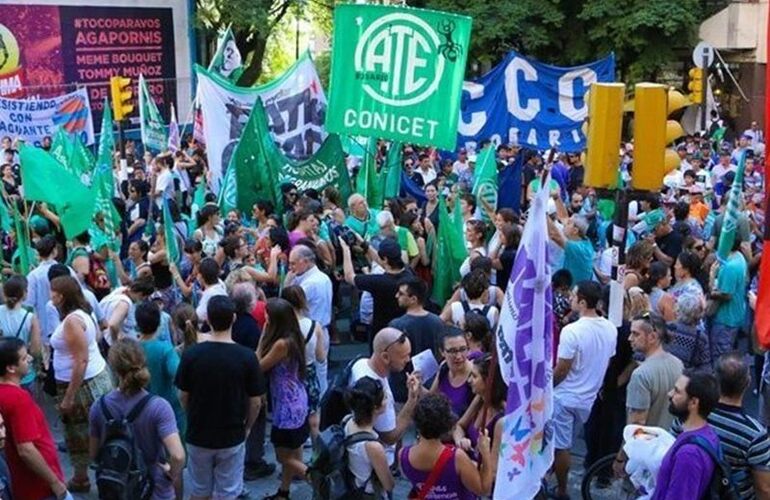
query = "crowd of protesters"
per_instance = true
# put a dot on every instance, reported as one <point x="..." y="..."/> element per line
<point x="230" y="347"/>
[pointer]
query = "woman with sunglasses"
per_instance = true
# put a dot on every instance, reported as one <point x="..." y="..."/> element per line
<point x="453" y="374"/>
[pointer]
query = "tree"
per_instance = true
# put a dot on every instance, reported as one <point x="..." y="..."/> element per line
<point x="643" y="33"/>
<point x="252" y="22"/>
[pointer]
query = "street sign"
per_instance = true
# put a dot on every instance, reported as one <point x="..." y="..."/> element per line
<point x="703" y="52"/>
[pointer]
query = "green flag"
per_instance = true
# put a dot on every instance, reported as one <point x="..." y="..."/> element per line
<point x="151" y="123"/>
<point x="81" y="161"/>
<point x="103" y="184"/>
<point x="393" y="167"/>
<point x="199" y="199"/>
<point x="367" y="180"/>
<point x="260" y="167"/>
<point x="485" y="182"/>
<point x="228" y="192"/>
<point x="44" y="181"/>
<point x="22" y="243"/>
<point x="730" y="222"/>
<point x="5" y="217"/>
<point x="449" y="252"/>
<point x="61" y="147"/>
<point x="397" y="73"/>
<point x="172" y="245"/>
<point x="227" y="59"/>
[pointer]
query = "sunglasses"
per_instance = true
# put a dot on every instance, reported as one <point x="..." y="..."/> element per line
<point x="456" y="350"/>
<point x="400" y="340"/>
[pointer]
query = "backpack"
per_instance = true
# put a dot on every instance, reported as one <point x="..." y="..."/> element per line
<point x="467" y="308"/>
<point x="332" y="409"/>
<point x="328" y="468"/>
<point x="121" y="472"/>
<point x="721" y="486"/>
<point x="97" y="277"/>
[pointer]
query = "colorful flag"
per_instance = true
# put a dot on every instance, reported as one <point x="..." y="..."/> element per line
<point x="44" y="180"/>
<point x="762" y="309"/>
<point x="524" y="341"/>
<point x="227" y="60"/>
<point x="150" y="122"/>
<point x="174" y="141"/>
<point x="733" y="211"/>
<point x="449" y="251"/>
<point x="485" y="183"/>
<point x="169" y="234"/>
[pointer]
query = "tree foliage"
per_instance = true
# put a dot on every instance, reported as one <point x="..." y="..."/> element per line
<point x="643" y="34"/>
<point x="252" y="22"/>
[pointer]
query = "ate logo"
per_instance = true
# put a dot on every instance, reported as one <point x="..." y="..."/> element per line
<point x="400" y="59"/>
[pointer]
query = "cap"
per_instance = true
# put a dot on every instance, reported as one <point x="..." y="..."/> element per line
<point x="389" y="249"/>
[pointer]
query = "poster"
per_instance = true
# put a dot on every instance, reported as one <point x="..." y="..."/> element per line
<point x="397" y="73"/>
<point x="33" y="119"/>
<point x="50" y="50"/>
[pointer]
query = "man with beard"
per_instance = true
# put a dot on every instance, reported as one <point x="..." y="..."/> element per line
<point x="687" y="468"/>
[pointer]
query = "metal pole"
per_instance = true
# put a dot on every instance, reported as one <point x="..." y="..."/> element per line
<point x="296" y="45"/>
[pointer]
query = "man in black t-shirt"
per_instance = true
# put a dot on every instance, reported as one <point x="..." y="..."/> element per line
<point x="668" y="243"/>
<point x="423" y="328"/>
<point x="220" y="386"/>
<point x="383" y="287"/>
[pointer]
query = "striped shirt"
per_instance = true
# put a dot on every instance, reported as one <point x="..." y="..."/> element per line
<point x="745" y="444"/>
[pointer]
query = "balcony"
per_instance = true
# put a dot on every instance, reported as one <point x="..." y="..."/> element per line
<point x="740" y="28"/>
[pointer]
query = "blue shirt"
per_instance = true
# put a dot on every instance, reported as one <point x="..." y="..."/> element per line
<point x="579" y="259"/>
<point x="732" y="278"/>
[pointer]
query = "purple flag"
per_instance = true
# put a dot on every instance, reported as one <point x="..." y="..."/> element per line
<point x="524" y="341"/>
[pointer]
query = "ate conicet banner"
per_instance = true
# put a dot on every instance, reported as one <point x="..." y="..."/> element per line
<point x="33" y="119"/>
<point x="295" y="104"/>
<point x="397" y="73"/>
<point x="529" y="103"/>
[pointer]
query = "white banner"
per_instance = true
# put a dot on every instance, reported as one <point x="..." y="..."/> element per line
<point x="33" y="119"/>
<point x="295" y="104"/>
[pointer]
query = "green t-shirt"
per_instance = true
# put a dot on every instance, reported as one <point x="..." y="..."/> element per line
<point x="365" y="228"/>
<point x="407" y="242"/>
<point x="579" y="259"/>
<point x="732" y="278"/>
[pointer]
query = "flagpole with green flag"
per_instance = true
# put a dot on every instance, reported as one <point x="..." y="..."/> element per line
<point x="449" y="252"/>
<point x="485" y="183"/>
<point x="22" y="242"/>
<point x="103" y="183"/>
<point x="172" y="246"/>
<point x="393" y="167"/>
<point x="730" y="222"/>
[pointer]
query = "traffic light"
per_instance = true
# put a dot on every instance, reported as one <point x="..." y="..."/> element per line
<point x="605" y="123"/>
<point x="696" y="85"/>
<point x="120" y="90"/>
<point x="652" y="132"/>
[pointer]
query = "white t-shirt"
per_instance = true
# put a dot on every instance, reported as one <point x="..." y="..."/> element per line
<point x="164" y="184"/>
<point x="108" y="305"/>
<point x="310" y="345"/>
<point x="589" y="343"/>
<point x="386" y="421"/>
<point x="212" y="291"/>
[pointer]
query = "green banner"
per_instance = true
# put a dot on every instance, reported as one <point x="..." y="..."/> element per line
<point x="151" y="123"/>
<point x="397" y="73"/>
<point x="258" y="167"/>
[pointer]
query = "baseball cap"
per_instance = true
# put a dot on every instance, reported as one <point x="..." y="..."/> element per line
<point x="389" y="249"/>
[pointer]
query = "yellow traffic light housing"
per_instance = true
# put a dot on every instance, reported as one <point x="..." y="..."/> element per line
<point x="696" y="85"/>
<point x="120" y="90"/>
<point x="605" y="123"/>
<point x="653" y="131"/>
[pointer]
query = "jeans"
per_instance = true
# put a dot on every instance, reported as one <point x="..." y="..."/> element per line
<point x="722" y="340"/>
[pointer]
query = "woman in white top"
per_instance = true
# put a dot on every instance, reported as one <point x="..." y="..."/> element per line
<point x="315" y="351"/>
<point x="19" y="322"/>
<point x="80" y="372"/>
<point x="474" y="238"/>
<point x="366" y="455"/>
<point x="209" y="232"/>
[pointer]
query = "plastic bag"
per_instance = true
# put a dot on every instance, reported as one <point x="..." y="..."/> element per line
<point x="645" y="448"/>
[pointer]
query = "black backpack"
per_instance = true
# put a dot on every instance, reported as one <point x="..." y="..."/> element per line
<point x="328" y="468"/>
<point x="332" y="408"/>
<point x="121" y="472"/>
<point x="721" y="486"/>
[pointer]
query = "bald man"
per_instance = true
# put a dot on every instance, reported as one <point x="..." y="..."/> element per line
<point x="392" y="352"/>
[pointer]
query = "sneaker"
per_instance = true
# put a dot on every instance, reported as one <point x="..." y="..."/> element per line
<point x="252" y="473"/>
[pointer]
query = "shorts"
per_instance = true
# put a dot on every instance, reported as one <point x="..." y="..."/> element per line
<point x="566" y="421"/>
<point x="290" y="438"/>
<point x="216" y="473"/>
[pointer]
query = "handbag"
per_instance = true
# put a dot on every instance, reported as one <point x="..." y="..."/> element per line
<point x="49" y="382"/>
<point x="429" y="483"/>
